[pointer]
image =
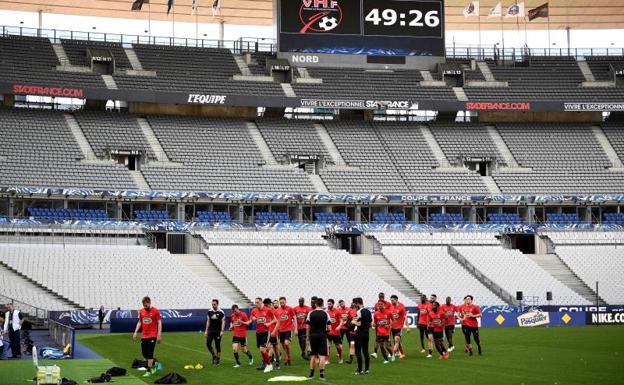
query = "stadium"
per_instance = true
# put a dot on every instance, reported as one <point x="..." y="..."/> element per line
<point x="158" y="155"/>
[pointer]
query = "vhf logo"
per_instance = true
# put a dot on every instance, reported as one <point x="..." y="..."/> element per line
<point x="319" y="15"/>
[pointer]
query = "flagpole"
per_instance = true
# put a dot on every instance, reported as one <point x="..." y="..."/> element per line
<point x="196" y="22"/>
<point x="549" y="32"/>
<point x="149" y="22"/>
<point x="173" y="21"/>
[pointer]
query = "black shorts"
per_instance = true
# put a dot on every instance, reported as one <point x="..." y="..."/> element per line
<point x="242" y="341"/>
<point x="262" y="339"/>
<point x="336" y="340"/>
<point x="273" y="340"/>
<point x="470" y="329"/>
<point x="429" y="331"/>
<point x="285" y="336"/>
<point x="383" y="338"/>
<point x="449" y="329"/>
<point x="397" y="332"/>
<point x="318" y="344"/>
<point x="346" y="334"/>
<point x="302" y="333"/>
<point x="422" y="328"/>
<point x="148" y="345"/>
<point x="438" y="335"/>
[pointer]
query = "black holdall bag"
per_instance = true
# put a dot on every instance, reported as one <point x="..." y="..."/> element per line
<point x="171" y="378"/>
<point x="116" y="371"/>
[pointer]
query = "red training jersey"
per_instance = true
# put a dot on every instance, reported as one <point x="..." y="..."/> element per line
<point x="334" y="318"/>
<point x="398" y="316"/>
<point x="465" y="310"/>
<point x="423" y="313"/>
<point x="449" y="313"/>
<point x="383" y="321"/>
<point x="263" y="316"/>
<point x="301" y="313"/>
<point x="344" y="316"/>
<point x="437" y="320"/>
<point x="239" y="329"/>
<point x="285" y="315"/>
<point x="149" y="322"/>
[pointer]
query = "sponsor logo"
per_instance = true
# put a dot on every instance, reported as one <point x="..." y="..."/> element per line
<point x="304" y="59"/>
<point x="319" y="16"/>
<point x="261" y="320"/>
<point x="582" y="308"/>
<point x="48" y="91"/>
<point x="533" y="318"/>
<point x="593" y="106"/>
<point x="147" y="320"/>
<point x="321" y="103"/>
<point x="284" y="317"/>
<point x="498" y="106"/>
<point x="391" y="104"/>
<point x="206" y="99"/>
<point x="602" y="318"/>
<point x="237" y="323"/>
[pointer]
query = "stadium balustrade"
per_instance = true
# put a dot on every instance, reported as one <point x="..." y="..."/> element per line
<point x="322" y="217"/>
<point x="80" y="214"/>
<point x="31" y="60"/>
<point x="602" y="264"/>
<point x="433" y="238"/>
<point x="410" y="261"/>
<point x="271" y="217"/>
<point x="107" y="275"/>
<point x="514" y="271"/>
<point x="16" y="288"/>
<point x="320" y="268"/>
<point x="190" y="70"/>
<point x="250" y="237"/>
<point x="150" y="215"/>
<point x="39" y="150"/>
<point x="214" y="217"/>
<point x="389" y="218"/>
<point x="504" y="218"/>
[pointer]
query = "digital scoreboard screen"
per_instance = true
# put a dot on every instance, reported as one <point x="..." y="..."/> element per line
<point x="362" y="27"/>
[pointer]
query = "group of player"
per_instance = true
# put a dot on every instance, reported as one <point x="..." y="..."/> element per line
<point x="318" y="327"/>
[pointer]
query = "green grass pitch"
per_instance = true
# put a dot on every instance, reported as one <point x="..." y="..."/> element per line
<point x="554" y="356"/>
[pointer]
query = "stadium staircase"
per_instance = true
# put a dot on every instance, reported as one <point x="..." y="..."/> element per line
<point x="435" y="147"/>
<point x="5" y="269"/>
<point x="61" y="55"/>
<point x="152" y="140"/>
<point x="110" y="82"/>
<point x="242" y="66"/>
<point x="485" y="70"/>
<point x="379" y="264"/>
<point x="589" y="76"/>
<point x="329" y="145"/>
<point x="608" y="149"/>
<point x="139" y="180"/>
<point x="288" y="90"/>
<point x="203" y="267"/>
<point x="258" y="139"/>
<point x="133" y="59"/>
<point x="82" y="141"/>
<point x="502" y="147"/>
<point x="501" y="293"/>
<point x="553" y="264"/>
<point x="460" y="94"/>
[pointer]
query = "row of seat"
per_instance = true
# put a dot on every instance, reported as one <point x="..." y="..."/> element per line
<point x="46" y="213"/>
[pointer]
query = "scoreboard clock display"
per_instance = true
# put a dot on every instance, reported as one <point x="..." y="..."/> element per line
<point x="364" y="27"/>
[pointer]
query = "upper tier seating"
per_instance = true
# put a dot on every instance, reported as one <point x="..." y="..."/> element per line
<point x="31" y="60"/>
<point x="76" y="51"/>
<point x="601" y="66"/>
<point x="290" y="137"/>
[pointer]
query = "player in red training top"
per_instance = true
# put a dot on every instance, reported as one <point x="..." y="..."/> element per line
<point x="346" y="315"/>
<point x="333" y="332"/>
<point x="301" y="313"/>
<point x="151" y="330"/>
<point x="288" y="323"/>
<point x="469" y="313"/>
<point x="266" y="324"/>
<point x="423" y="319"/>
<point x="381" y="297"/>
<point x="274" y="340"/>
<point x="399" y="313"/>
<point x="449" y="312"/>
<point x="382" y="320"/>
<point x="238" y="325"/>
<point x="437" y="322"/>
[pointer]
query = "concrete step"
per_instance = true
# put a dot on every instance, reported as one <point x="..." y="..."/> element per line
<point x="607" y="147"/>
<point x="319" y="185"/>
<point x="146" y="128"/>
<point x="502" y="148"/>
<point x="134" y="59"/>
<point x="139" y="180"/>
<point x="435" y="147"/>
<point x="587" y="73"/>
<point x="61" y="55"/>
<point x="256" y="135"/>
<point x="485" y="70"/>
<point x="491" y="185"/>
<point x="203" y="267"/>
<point x="288" y="90"/>
<point x="242" y="66"/>
<point x="460" y="94"/>
<point x="83" y="143"/>
<point x="379" y="264"/>
<point x="110" y="82"/>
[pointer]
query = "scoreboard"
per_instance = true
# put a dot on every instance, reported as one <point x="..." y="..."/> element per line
<point x="406" y="28"/>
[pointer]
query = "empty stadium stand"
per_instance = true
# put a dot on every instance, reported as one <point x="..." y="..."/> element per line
<point x="76" y="51"/>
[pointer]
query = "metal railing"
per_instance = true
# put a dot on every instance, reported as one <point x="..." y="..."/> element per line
<point x="242" y="45"/>
<point x="29" y="310"/>
<point x="269" y="45"/>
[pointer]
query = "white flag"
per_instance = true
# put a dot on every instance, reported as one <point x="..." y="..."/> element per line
<point x="497" y="11"/>
<point x="216" y="7"/>
<point x="194" y="7"/>
<point x="472" y="9"/>
<point x="515" y="10"/>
